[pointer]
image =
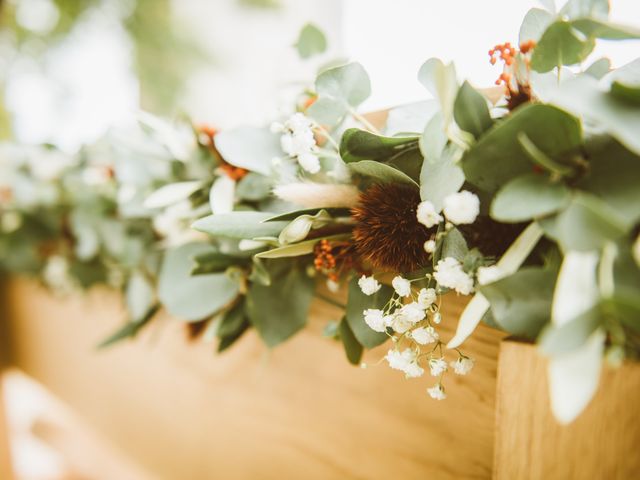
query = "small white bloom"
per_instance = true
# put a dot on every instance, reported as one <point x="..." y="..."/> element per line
<point x="333" y="286"/>
<point x="412" y="312"/>
<point x="309" y="162"/>
<point x="402" y="286"/>
<point x="405" y="361"/>
<point x="449" y="273"/>
<point x="462" y="365"/>
<point x="430" y="246"/>
<point x="437" y="392"/>
<point x="437" y="366"/>
<point x="298" y="123"/>
<point x="400" y="323"/>
<point x="461" y="207"/>
<point x="489" y="274"/>
<point x="425" y="335"/>
<point x="427" y="214"/>
<point x="375" y="319"/>
<point x="413" y="370"/>
<point x="369" y="285"/>
<point x="426" y="297"/>
<point x="437" y="318"/>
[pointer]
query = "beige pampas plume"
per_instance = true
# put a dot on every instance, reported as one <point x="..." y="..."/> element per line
<point x="318" y="195"/>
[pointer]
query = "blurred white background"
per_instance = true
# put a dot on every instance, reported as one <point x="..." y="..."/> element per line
<point x="87" y="83"/>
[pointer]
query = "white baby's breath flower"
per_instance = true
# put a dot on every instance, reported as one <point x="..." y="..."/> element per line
<point x="489" y="274"/>
<point x="437" y="366"/>
<point x="462" y="365"/>
<point x="430" y="246"/>
<point x="427" y="214"/>
<point x="449" y="273"/>
<point x="400" y="323"/>
<point x="412" y="312"/>
<point x="425" y="335"/>
<point x="309" y="162"/>
<point x="375" y="319"/>
<point x="413" y="370"/>
<point x="369" y="285"/>
<point x="436" y="318"/>
<point x="405" y="361"/>
<point x="461" y="207"/>
<point x="437" y="392"/>
<point x="426" y="297"/>
<point x="402" y="286"/>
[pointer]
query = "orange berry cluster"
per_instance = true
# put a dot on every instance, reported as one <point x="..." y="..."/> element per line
<point x="324" y="260"/>
<point x="506" y="53"/>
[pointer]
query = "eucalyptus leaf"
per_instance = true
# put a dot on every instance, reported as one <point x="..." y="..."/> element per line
<point x="334" y="212"/>
<point x="527" y="197"/>
<point x="583" y="97"/>
<point x="521" y="303"/>
<point x="599" y="68"/>
<point x="534" y="24"/>
<point x="340" y="89"/>
<point x="433" y="139"/>
<point x="241" y="225"/>
<point x="251" y="148"/>
<point x="171" y="193"/>
<point x="281" y="309"/>
<point x="587" y="224"/>
<point x="471" y="112"/>
<point x="297" y="249"/>
<point x="572" y="335"/>
<point x="560" y="44"/>
<point x="311" y="41"/>
<point x="441" y="81"/>
<point x="192" y="298"/>
<point x="498" y="156"/>
<point x="139" y="295"/>
<point x="254" y="187"/>
<point x="454" y="245"/>
<point x="440" y="179"/>
<point x="357" y="145"/>
<point x="357" y="303"/>
<point x="352" y="347"/>
<point x="381" y="171"/>
<point x="129" y="329"/>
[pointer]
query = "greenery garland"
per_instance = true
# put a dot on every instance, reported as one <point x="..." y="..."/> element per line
<point x="527" y="203"/>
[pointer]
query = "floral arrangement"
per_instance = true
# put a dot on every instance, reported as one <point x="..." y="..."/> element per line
<point x="523" y="197"/>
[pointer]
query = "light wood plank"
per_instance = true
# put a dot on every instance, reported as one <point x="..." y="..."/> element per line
<point x="6" y="471"/>
<point x="183" y="412"/>
<point x="601" y="444"/>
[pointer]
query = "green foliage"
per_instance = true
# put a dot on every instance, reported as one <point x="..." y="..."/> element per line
<point x="340" y="90"/>
<point x="281" y="309"/>
<point x="247" y="225"/>
<point x="471" y="112"/>
<point x="380" y="172"/>
<point x="311" y="41"/>
<point x="250" y="148"/>
<point x="527" y="197"/>
<point x="499" y="156"/>
<point x="352" y="347"/>
<point x="521" y="303"/>
<point x="192" y="298"/>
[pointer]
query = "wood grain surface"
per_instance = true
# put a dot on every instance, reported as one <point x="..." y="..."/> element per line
<point x="5" y="457"/>
<point x="602" y="444"/>
<point x="299" y="411"/>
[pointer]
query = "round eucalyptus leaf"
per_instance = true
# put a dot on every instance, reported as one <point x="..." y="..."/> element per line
<point x="192" y="298"/>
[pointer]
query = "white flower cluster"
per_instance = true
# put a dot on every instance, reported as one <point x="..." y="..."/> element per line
<point x="449" y="273"/>
<point x="409" y="318"/>
<point x="458" y="208"/>
<point x="298" y="141"/>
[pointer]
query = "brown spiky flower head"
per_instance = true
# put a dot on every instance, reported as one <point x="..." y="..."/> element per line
<point x="387" y="233"/>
